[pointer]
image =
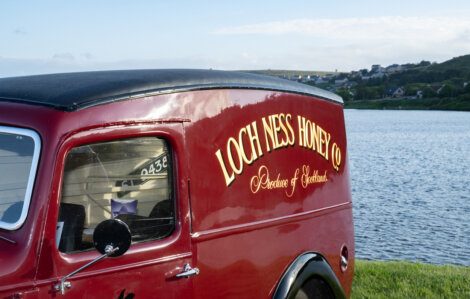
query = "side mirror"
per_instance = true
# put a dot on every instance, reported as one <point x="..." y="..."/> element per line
<point x="112" y="235"/>
<point x="111" y="238"/>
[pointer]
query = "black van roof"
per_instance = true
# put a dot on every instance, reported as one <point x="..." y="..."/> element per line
<point x="73" y="91"/>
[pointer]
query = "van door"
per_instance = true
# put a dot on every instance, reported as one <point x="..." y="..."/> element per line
<point x="138" y="178"/>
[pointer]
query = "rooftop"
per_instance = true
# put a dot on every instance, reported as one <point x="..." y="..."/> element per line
<point x="74" y="91"/>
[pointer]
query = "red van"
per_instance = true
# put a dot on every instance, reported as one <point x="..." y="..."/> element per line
<point x="172" y="184"/>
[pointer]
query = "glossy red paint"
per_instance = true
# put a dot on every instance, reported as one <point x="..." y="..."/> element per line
<point x="241" y="241"/>
<point x="256" y="236"/>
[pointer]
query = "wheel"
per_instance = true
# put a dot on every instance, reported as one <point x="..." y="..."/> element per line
<point x="315" y="288"/>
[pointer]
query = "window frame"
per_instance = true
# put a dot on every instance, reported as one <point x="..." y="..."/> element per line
<point x="110" y="134"/>
<point x="31" y="177"/>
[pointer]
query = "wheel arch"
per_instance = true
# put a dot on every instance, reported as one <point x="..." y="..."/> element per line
<point x="305" y="267"/>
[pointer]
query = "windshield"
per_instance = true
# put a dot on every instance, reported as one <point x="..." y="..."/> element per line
<point x="19" y="153"/>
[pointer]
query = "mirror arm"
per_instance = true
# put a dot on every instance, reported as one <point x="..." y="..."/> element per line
<point x="64" y="284"/>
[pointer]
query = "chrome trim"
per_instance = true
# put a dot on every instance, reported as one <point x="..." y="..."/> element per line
<point x="344" y="263"/>
<point x="303" y="268"/>
<point x="64" y="284"/>
<point x="8" y="240"/>
<point x="32" y="174"/>
<point x="289" y="277"/>
<point x="244" y="227"/>
<point x="114" y="269"/>
<point x="187" y="272"/>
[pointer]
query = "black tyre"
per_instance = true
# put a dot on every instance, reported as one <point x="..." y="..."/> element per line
<point x="315" y="288"/>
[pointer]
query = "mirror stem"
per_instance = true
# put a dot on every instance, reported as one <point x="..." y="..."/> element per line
<point x="64" y="284"/>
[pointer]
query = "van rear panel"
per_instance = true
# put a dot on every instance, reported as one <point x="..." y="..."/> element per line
<point x="269" y="179"/>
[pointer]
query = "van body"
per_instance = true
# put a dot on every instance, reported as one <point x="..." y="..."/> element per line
<point x="231" y="185"/>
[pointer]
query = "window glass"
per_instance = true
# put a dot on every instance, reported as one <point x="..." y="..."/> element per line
<point x="19" y="153"/>
<point x="127" y="179"/>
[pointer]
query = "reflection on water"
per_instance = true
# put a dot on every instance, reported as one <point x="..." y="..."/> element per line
<point x="410" y="175"/>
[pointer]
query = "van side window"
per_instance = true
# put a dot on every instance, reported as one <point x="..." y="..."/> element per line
<point x="129" y="179"/>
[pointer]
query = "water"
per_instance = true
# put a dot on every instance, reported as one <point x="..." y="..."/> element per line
<point x="410" y="176"/>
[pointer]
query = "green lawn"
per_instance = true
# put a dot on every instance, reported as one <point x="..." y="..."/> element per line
<point x="374" y="279"/>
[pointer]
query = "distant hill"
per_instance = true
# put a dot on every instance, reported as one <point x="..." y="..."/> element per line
<point x="421" y="85"/>
<point x="455" y="72"/>
<point x="421" y="80"/>
<point x="461" y="63"/>
<point x="289" y="73"/>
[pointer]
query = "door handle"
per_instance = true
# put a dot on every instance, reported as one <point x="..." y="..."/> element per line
<point x="188" y="271"/>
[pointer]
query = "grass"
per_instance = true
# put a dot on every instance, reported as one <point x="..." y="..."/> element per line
<point x="374" y="279"/>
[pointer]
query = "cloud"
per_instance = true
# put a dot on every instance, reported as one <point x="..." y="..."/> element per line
<point x="86" y="56"/>
<point x="304" y="44"/>
<point x="352" y="43"/>
<point x="20" y="31"/>
<point x="63" y="62"/>
<point x="64" y="56"/>
<point x="384" y="28"/>
<point x="23" y="67"/>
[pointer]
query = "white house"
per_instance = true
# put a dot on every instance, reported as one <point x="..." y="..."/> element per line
<point x="399" y="92"/>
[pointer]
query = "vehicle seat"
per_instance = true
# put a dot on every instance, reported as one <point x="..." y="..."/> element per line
<point x="73" y="216"/>
<point x="163" y="208"/>
<point x="157" y="225"/>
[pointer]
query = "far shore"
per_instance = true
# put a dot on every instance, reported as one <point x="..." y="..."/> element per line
<point x="452" y="104"/>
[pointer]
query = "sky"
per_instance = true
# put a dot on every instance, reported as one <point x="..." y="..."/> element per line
<point x="66" y="36"/>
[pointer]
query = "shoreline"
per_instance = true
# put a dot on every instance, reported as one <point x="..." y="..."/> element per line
<point x="446" y="104"/>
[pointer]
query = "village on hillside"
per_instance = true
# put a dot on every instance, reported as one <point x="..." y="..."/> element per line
<point x="346" y="82"/>
<point x="410" y="81"/>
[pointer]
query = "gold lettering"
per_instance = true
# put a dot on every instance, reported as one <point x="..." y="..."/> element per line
<point x="316" y="135"/>
<point x="313" y="137"/>
<point x="302" y="130"/>
<point x="309" y="127"/>
<point x="283" y="123"/>
<point x="253" y="137"/>
<point x="263" y="181"/>
<point x="335" y="156"/>
<point x="268" y="131"/>
<point x="291" y="136"/>
<point x="308" y="178"/>
<point x="327" y="144"/>
<point x="242" y="148"/>
<point x="245" y="148"/>
<point x="237" y="169"/>
<point x="228" y="178"/>
<point x="277" y="129"/>
<point x="293" y="182"/>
